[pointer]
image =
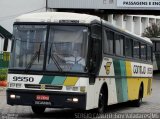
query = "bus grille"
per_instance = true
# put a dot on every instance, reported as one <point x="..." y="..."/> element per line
<point x="38" y="86"/>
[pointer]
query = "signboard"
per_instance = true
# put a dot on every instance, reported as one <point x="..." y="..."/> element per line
<point x="138" y="3"/>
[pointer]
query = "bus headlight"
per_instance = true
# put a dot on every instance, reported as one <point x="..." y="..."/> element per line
<point x="72" y="88"/>
<point x="15" y="85"/>
<point x="12" y="85"/>
<point x="12" y="96"/>
<point x="18" y="85"/>
<point x="75" y="100"/>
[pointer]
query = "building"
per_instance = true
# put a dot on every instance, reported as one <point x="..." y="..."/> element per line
<point x="122" y="9"/>
<point x="5" y="40"/>
<point x="10" y="9"/>
<point x="5" y="47"/>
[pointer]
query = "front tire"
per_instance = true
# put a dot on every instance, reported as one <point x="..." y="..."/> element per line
<point x="38" y="109"/>
<point x="102" y="104"/>
<point x="137" y="103"/>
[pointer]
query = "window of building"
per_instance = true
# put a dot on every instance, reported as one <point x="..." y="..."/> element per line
<point x="119" y="39"/>
<point x="108" y="41"/>
<point x="128" y="47"/>
<point x="136" y="49"/>
<point x="157" y="46"/>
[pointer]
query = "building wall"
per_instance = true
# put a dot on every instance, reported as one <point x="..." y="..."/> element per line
<point x="133" y="23"/>
<point x="106" y="4"/>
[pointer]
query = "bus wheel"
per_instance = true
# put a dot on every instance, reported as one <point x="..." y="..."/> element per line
<point x="137" y="103"/>
<point x="38" y="109"/>
<point x="102" y="104"/>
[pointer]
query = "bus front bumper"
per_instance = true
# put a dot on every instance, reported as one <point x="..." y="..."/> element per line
<point x="46" y="98"/>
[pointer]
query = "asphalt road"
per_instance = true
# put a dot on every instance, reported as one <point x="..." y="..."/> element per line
<point x="150" y="108"/>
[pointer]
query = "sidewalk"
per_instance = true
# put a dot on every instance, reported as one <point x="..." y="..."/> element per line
<point x="2" y="90"/>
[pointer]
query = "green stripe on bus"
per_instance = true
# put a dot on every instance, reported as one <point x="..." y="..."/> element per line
<point x="123" y="68"/>
<point x="121" y="83"/>
<point x="124" y="80"/>
<point x="117" y="70"/>
<point x="47" y="79"/>
<point x="58" y="80"/>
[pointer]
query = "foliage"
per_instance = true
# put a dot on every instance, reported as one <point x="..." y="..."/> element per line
<point x="3" y="74"/>
<point x="152" y="31"/>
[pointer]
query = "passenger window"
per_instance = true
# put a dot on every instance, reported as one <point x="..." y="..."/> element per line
<point x="128" y="47"/>
<point x="108" y="41"/>
<point x="119" y="45"/>
<point x="136" y="49"/>
<point x="149" y="53"/>
<point x="154" y="46"/>
<point x="143" y="51"/>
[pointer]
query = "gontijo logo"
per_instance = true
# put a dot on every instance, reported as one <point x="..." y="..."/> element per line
<point x="107" y="67"/>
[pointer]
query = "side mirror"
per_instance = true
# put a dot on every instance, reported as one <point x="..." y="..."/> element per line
<point x="85" y="35"/>
<point x="5" y="46"/>
<point x="92" y="66"/>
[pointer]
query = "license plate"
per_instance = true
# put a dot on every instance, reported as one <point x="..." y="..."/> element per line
<point x="42" y="97"/>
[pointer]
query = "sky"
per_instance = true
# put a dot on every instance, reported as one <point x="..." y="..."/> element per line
<point x="10" y="9"/>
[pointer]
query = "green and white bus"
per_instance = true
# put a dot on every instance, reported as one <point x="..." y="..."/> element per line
<point x="79" y="61"/>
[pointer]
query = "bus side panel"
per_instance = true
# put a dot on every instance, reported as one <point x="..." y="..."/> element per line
<point x="138" y="73"/>
<point x="121" y="83"/>
<point x="147" y="86"/>
<point x="107" y="76"/>
<point x="133" y="88"/>
<point x="133" y="83"/>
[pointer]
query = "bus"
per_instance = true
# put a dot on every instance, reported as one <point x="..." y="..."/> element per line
<point x="77" y="61"/>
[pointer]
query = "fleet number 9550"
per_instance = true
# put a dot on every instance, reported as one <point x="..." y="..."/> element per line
<point x="23" y="79"/>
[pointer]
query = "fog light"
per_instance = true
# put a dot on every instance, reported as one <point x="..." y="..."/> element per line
<point x="75" y="99"/>
<point x="75" y="88"/>
<point x="12" y="96"/>
<point x="72" y="88"/>
<point x="68" y="88"/>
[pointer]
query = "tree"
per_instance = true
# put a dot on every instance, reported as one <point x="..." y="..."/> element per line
<point x="152" y="31"/>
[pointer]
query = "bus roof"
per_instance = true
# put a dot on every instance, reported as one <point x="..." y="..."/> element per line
<point x="66" y="17"/>
<point x="56" y="17"/>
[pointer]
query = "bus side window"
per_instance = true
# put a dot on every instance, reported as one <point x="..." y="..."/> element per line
<point x="149" y="53"/>
<point x="143" y="51"/>
<point x="154" y="46"/>
<point x="136" y="49"/>
<point x="119" y="44"/>
<point x="108" y="41"/>
<point x="128" y="47"/>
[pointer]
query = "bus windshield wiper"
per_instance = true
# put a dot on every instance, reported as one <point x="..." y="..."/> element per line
<point x="37" y="54"/>
<point x="53" y="58"/>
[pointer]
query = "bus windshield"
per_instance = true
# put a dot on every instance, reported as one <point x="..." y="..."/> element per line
<point x="28" y="47"/>
<point x="65" y="48"/>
